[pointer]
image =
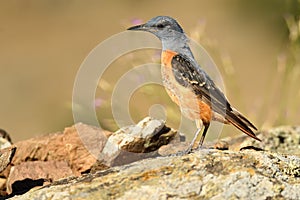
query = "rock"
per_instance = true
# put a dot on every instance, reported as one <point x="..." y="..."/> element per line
<point x="77" y="145"/>
<point x="205" y="174"/>
<point x="6" y="156"/>
<point x="178" y="144"/>
<point x="5" y="140"/>
<point x="136" y="142"/>
<point x="48" y="171"/>
<point x="148" y="135"/>
<point x="284" y="139"/>
<point x="61" y="154"/>
<point x="75" y="151"/>
<point x="221" y="145"/>
<point x="5" y="135"/>
<point x="239" y="168"/>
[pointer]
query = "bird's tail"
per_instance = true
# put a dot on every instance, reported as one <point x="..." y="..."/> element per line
<point x="241" y="122"/>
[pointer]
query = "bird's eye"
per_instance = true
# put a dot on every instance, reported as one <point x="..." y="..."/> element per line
<point x="160" y="25"/>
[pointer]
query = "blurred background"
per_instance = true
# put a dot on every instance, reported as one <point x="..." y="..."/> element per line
<point x="255" y="45"/>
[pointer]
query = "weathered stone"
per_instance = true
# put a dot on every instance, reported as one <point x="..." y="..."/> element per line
<point x="5" y="140"/>
<point x="78" y="145"/>
<point x="148" y="135"/>
<point x="248" y="170"/>
<point x="178" y="144"/>
<point x="78" y="148"/>
<point x="205" y="174"/>
<point x="136" y="142"/>
<point x="35" y="170"/>
<point x="284" y="139"/>
<point x="221" y="145"/>
<point x="6" y="156"/>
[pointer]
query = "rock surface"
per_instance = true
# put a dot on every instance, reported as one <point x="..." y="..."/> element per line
<point x="46" y="171"/>
<point x="6" y="156"/>
<point x="247" y="170"/>
<point x="205" y="174"/>
<point x="69" y="146"/>
<point x="51" y="157"/>
<point x="79" y="149"/>
<point x="136" y="142"/>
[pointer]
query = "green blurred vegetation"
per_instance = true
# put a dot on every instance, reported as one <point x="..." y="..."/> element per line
<point x="255" y="44"/>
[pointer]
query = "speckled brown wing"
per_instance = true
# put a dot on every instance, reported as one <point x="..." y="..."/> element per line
<point x="190" y="76"/>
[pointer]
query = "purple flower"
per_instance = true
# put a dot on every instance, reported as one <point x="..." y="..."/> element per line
<point x="136" y="21"/>
<point x="98" y="102"/>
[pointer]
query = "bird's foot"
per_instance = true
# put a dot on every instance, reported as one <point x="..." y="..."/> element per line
<point x="184" y="152"/>
<point x="187" y="151"/>
<point x="200" y="147"/>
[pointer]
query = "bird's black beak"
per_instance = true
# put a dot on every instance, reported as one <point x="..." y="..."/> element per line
<point x="140" y="27"/>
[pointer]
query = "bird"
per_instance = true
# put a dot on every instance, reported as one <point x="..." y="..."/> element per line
<point x="188" y="85"/>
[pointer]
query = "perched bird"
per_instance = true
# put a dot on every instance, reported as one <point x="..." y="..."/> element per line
<point x="188" y="84"/>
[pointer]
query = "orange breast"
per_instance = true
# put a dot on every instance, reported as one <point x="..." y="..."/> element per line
<point x="190" y="104"/>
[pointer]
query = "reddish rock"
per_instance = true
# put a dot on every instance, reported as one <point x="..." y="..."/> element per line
<point x="83" y="148"/>
<point x="78" y="145"/>
<point x="48" y="171"/>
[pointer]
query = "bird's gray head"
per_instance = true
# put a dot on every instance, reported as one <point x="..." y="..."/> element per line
<point x="169" y="32"/>
<point x="163" y="27"/>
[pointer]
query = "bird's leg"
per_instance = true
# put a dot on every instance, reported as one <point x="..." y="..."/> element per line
<point x="199" y="126"/>
<point x="206" y="125"/>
